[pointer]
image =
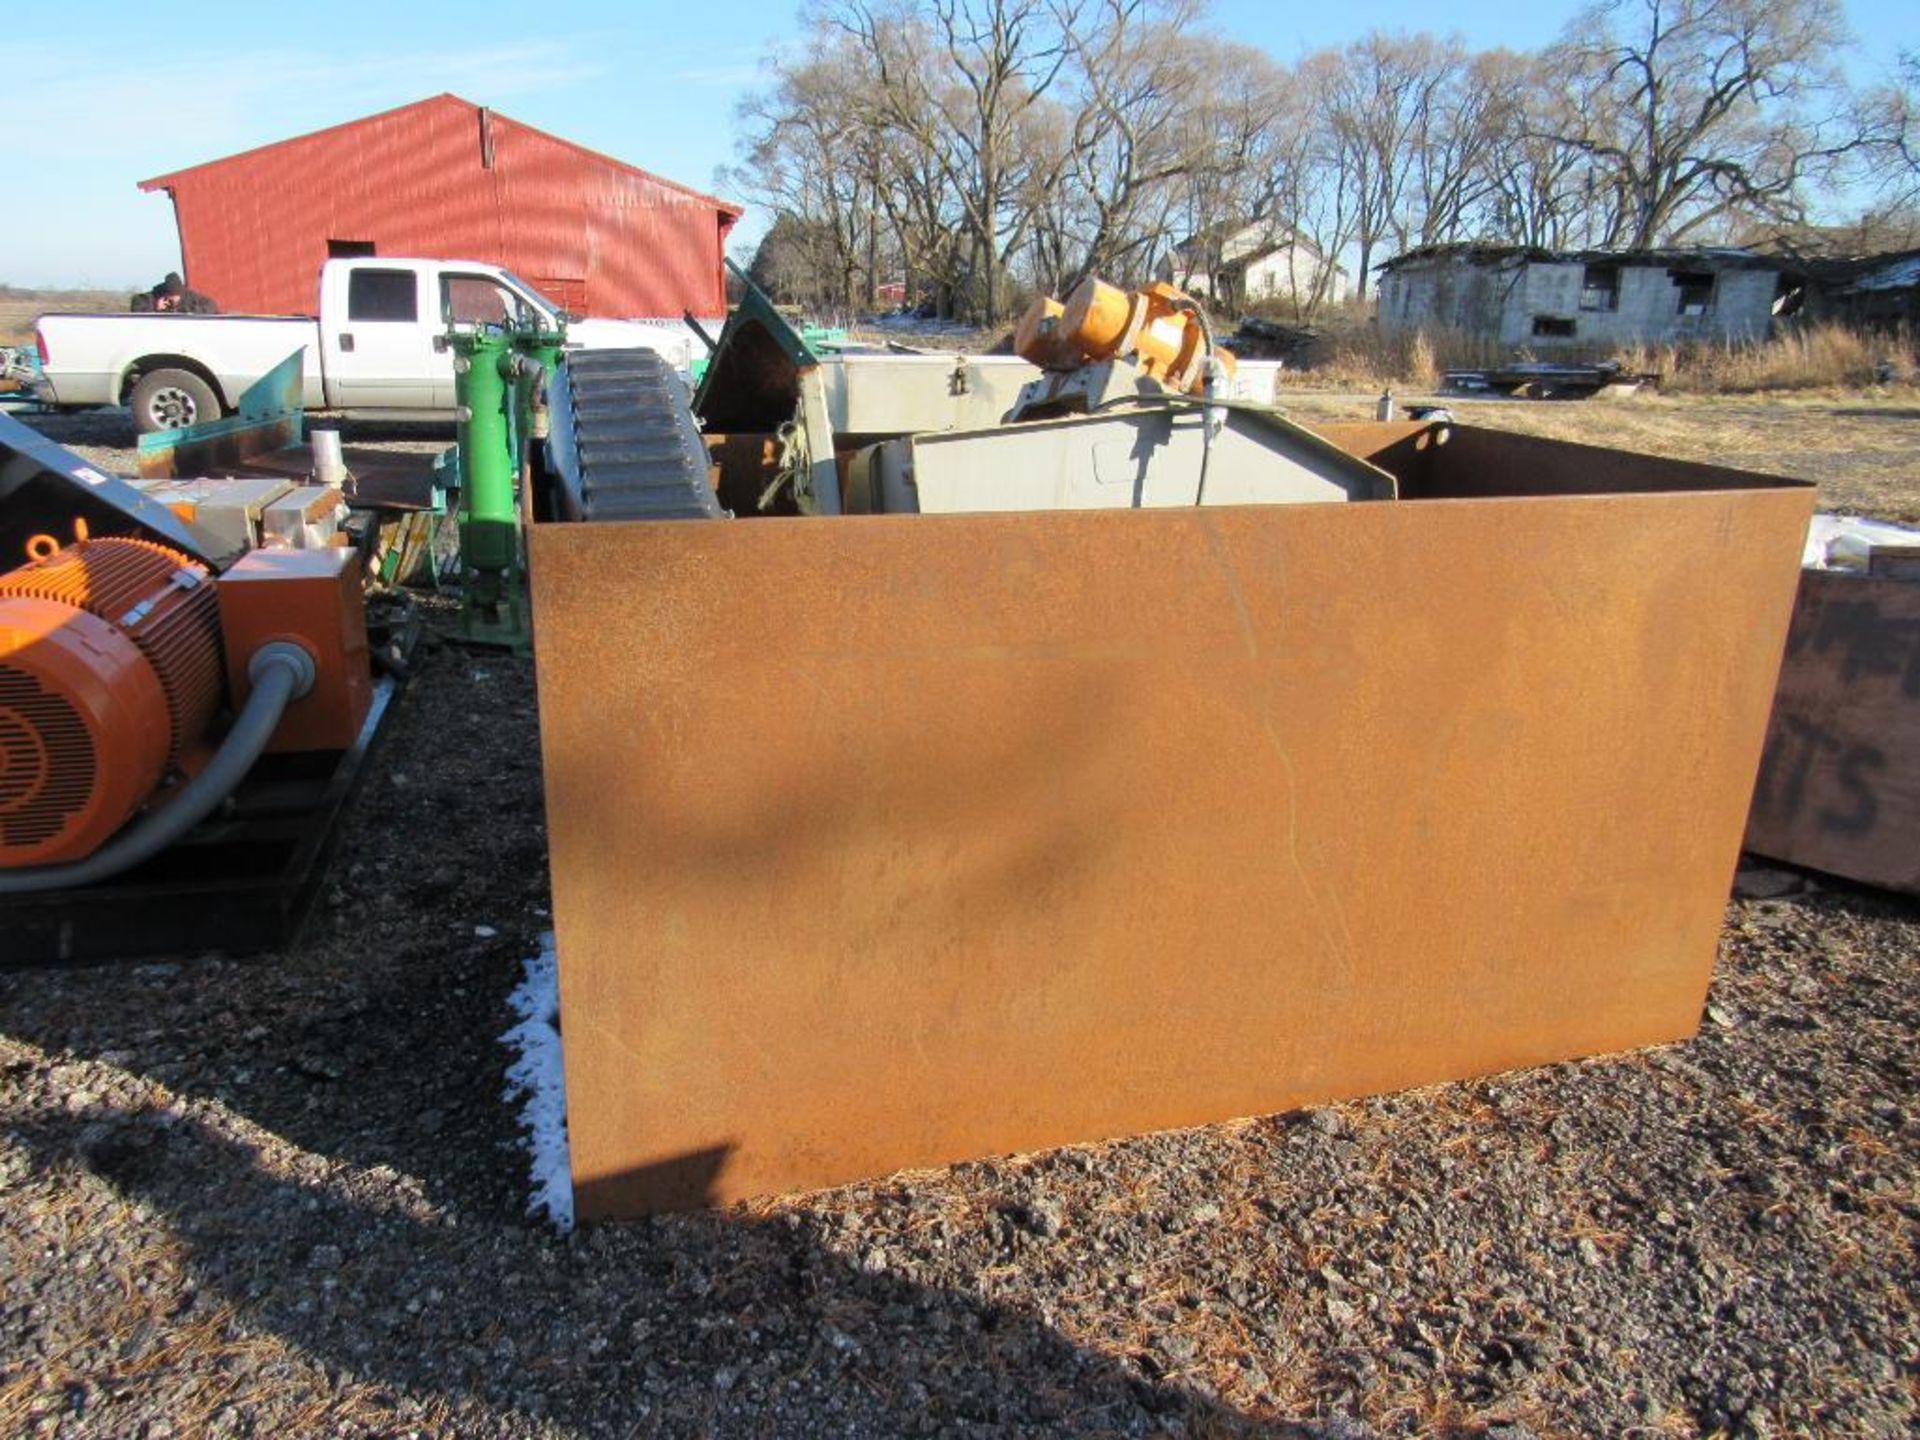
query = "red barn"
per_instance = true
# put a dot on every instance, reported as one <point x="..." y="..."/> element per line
<point x="446" y="179"/>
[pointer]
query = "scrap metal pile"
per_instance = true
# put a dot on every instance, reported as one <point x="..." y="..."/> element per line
<point x="1021" y="750"/>
<point x="949" y="755"/>
<point x="153" y="667"/>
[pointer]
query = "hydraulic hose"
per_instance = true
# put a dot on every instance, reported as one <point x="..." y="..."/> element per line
<point x="280" y="673"/>
<point x="1213" y="416"/>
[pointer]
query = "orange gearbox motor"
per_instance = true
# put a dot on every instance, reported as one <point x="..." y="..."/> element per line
<point x="110" y="675"/>
<point x="1101" y="322"/>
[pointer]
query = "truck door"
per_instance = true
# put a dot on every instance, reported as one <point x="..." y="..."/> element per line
<point x="383" y="347"/>
<point x="469" y="299"/>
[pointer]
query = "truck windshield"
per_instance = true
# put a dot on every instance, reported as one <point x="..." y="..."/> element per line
<point x="530" y="294"/>
<point x="494" y="298"/>
<point x="478" y="300"/>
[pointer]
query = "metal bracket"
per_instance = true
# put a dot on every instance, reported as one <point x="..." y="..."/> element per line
<point x="793" y="464"/>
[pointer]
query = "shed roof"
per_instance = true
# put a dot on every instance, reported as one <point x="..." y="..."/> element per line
<point x="1891" y="272"/>
<point x="441" y="101"/>
<point x="1851" y="274"/>
<point x="1710" y="257"/>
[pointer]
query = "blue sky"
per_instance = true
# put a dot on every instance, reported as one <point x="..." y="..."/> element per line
<point x="92" y="110"/>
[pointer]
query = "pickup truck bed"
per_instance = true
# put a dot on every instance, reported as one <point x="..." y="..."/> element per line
<point x="379" y="344"/>
<point x="112" y="352"/>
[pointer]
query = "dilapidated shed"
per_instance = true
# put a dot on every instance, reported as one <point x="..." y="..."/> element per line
<point x="1877" y="291"/>
<point x="1547" y="299"/>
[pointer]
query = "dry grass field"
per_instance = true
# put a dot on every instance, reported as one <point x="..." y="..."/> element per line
<point x="19" y="308"/>
<point x="1863" y="449"/>
<point x="1352" y="352"/>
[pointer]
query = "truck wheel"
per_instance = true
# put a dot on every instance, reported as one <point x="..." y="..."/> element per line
<point x="172" y="399"/>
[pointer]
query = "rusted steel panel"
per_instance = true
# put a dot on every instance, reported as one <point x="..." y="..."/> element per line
<point x="443" y="179"/>
<point x="1839" y="786"/>
<point x="271" y="417"/>
<point x="1440" y="461"/>
<point x="881" y="842"/>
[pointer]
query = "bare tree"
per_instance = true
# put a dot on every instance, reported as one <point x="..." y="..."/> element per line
<point x="1539" y="190"/>
<point x="1235" y="166"/>
<point x="970" y="110"/>
<point x="1133" y="81"/>
<point x="1378" y="100"/>
<point x="813" y="156"/>
<point x="1889" y="120"/>
<point x="971" y="146"/>
<point x="1700" y="110"/>
<point x="1301" y="187"/>
<point x="919" y="190"/>
<point x="1454" y="135"/>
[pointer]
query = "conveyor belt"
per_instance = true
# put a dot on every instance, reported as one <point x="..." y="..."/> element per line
<point x="624" y="442"/>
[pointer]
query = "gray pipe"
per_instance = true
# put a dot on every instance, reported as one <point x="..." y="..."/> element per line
<point x="280" y="673"/>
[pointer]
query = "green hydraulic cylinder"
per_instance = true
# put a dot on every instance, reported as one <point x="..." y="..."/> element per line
<point x="494" y="610"/>
<point x="537" y="355"/>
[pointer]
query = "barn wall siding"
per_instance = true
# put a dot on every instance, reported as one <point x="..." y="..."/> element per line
<point x="593" y="234"/>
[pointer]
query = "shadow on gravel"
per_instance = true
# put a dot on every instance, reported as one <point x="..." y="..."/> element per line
<point x="340" y="1169"/>
<point x="1643" y="1245"/>
<point x="685" y="1324"/>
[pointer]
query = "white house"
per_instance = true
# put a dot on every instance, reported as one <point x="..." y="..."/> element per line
<point x="1259" y="260"/>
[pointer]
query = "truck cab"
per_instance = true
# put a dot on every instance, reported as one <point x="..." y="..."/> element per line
<point x="384" y="324"/>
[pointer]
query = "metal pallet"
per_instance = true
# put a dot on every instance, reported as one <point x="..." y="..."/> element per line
<point x="241" y="882"/>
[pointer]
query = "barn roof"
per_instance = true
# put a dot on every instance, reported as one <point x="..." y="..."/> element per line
<point x="441" y="101"/>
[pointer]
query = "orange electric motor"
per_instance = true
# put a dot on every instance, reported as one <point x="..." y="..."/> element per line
<point x="110" y="675"/>
<point x="1101" y="322"/>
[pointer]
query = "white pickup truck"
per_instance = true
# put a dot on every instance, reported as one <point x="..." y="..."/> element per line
<point x="378" y="345"/>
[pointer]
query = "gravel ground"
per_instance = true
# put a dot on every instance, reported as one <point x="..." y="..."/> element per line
<point x="282" y="1196"/>
<point x="106" y="437"/>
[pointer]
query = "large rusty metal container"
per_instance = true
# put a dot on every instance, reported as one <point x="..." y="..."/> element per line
<point x="884" y="841"/>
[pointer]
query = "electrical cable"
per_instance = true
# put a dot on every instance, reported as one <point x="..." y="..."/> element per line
<point x="1210" y="373"/>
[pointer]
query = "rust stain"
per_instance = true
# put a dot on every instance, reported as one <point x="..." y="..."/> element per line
<point x="888" y="841"/>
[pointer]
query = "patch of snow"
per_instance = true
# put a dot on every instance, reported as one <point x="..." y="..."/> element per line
<point x="537" y="1084"/>
<point x="1843" y="542"/>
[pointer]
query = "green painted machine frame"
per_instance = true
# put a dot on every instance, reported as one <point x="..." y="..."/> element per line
<point x="499" y="378"/>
